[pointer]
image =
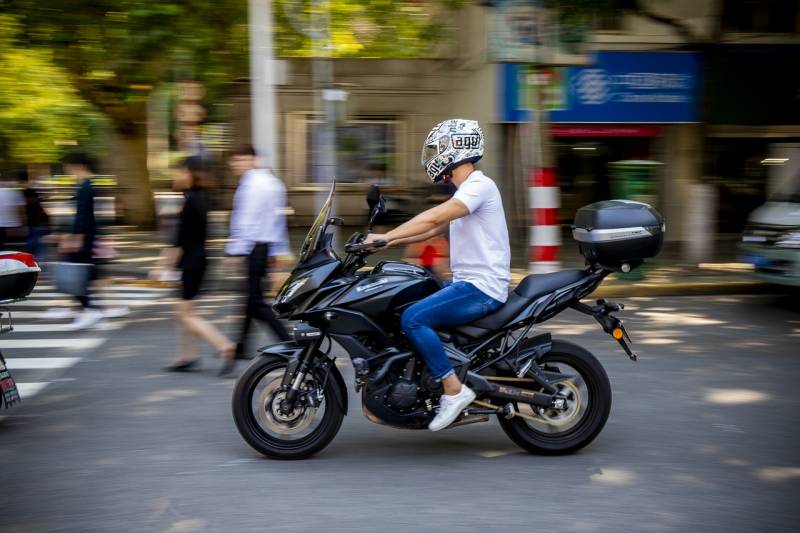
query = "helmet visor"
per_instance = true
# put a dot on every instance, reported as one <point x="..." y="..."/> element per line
<point x="429" y="151"/>
<point x="434" y="148"/>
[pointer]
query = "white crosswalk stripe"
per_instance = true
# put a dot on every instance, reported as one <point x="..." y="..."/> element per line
<point x="28" y="363"/>
<point x="40" y="349"/>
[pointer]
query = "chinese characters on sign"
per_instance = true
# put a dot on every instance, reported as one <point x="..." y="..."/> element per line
<point x="618" y="87"/>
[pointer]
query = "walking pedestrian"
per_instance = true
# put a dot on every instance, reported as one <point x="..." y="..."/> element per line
<point x="36" y="217"/>
<point x="257" y="233"/>
<point x="190" y="240"/>
<point x="79" y="243"/>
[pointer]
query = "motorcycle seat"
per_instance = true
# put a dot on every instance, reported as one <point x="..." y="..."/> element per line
<point x="529" y="289"/>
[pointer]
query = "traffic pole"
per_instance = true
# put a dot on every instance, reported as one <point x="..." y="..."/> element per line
<point x="545" y="232"/>
<point x="543" y="192"/>
<point x="262" y="82"/>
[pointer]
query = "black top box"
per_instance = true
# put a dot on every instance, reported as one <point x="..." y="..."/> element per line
<point x="18" y="274"/>
<point x="613" y="233"/>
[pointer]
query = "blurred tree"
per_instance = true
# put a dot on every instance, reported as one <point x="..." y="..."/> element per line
<point x="366" y="28"/>
<point x="40" y="111"/>
<point x="116" y="52"/>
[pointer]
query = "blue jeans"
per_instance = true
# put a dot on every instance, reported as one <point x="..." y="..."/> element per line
<point x="33" y="243"/>
<point x="456" y="304"/>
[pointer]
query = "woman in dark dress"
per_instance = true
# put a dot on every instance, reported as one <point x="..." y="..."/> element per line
<point x="191" y="243"/>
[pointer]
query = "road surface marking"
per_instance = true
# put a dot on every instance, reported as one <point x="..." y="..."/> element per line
<point x="40" y="363"/>
<point x="26" y="390"/>
<point x="88" y="343"/>
<point x="61" y="328"/>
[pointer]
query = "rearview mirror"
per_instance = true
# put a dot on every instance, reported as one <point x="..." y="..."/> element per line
<point x="373" y="196"/>
<point x="376" y="203"/>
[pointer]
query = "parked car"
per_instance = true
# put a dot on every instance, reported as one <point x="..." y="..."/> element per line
<point x="771" y="238"/>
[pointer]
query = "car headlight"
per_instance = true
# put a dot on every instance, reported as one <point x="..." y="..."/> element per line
<point x="789" y="240"/>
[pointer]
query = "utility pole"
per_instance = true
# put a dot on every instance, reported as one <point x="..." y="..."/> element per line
<point x="324" y="136"/>
<point x="262" y="82"/>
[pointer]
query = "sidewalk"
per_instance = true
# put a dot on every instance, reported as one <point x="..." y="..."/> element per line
<point x="139" y="253"/>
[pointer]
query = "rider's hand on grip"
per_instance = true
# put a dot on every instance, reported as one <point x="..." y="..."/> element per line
<point x="365" y="246"/>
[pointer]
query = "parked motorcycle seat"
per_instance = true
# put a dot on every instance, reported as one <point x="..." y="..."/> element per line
<point x="530" y="288"/>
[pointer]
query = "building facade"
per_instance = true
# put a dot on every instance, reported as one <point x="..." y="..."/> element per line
<point x="679" y="114"/>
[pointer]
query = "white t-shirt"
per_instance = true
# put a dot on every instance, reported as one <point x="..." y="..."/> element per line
<point x="11" y="201"/>
<point x="479" y="249"/>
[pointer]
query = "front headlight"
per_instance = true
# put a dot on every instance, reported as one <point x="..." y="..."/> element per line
<point x="788" y="240"/>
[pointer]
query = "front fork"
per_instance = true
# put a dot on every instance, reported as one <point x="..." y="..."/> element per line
<point x="296" y="372"/>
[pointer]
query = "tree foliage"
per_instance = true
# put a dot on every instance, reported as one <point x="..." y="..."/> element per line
<point x="40" y="111"/>
<point x="117" y="51"/>
<point x="363" y="28"/>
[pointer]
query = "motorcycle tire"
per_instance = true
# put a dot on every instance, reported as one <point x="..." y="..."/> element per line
<point x="592" y="422"/>
<point x="269" y="445"/>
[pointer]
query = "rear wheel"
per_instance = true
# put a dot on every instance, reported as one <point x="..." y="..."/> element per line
<point x="296" y="435"/>
<point x="588" y="403"/>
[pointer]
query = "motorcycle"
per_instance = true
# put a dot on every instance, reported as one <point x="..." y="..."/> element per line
<point x="18" y="275"/>
<point x="550" y="396"/>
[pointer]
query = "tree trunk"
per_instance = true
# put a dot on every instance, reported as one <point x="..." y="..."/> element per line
<point x="127" y="159"/>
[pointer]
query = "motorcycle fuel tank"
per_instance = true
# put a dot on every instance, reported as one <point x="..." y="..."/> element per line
<point x="389" y="288"/>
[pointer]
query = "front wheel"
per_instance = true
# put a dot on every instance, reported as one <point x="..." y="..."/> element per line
<point x="588" y="400"/>
<point x="297" y="435"/>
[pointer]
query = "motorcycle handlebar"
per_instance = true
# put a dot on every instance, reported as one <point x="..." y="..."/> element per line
<point x="364" y="246"/>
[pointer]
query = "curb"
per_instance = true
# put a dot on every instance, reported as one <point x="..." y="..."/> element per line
<point x="696" y="288"/>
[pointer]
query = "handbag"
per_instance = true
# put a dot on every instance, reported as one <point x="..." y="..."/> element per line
<point x="71" y="278"/>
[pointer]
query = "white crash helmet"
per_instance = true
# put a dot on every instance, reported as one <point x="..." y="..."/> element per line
<point x="450" y="143"/>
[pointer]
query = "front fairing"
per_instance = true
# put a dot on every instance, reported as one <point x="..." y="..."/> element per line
<point x="302" y="284"/>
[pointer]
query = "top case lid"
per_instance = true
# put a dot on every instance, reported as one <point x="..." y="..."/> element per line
<point x="611" y="214"/>
<point x="16" y="263"/>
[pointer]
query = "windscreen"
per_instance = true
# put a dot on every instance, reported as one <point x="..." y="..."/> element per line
<point x="318" y="228"/>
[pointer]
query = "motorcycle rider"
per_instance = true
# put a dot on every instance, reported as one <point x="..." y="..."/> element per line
<point x="480" y="254"/>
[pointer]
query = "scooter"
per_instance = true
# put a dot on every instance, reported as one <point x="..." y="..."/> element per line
<point x="18" y="275"/>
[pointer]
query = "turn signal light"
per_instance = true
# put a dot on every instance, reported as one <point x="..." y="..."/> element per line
<point x="616" y="333"/>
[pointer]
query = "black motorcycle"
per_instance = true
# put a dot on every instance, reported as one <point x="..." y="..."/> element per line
<point x="550" y="396"/>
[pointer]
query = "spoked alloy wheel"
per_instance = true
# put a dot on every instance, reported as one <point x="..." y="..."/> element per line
<point x="577" y="399"/>
<point x="260" y="421"/>
<point x="587" y="396"/>
<point x="265" y="405"/>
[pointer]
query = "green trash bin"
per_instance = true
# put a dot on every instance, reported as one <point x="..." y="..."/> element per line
<point x="634" y="179"/>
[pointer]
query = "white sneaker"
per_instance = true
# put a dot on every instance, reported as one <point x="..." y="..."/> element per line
<point x="58" y="313"/>
<point x="450" y="407"/>
<point x="88" y="318"/>
<point x="116" y="312"/>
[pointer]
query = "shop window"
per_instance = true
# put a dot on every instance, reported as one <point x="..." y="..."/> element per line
<point x="366" y="151"/>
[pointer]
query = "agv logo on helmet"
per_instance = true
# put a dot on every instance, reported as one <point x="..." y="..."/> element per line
<point x="466" y="141"/>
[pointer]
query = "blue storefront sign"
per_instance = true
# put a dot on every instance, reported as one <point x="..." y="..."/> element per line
<point x="618" y="87"/>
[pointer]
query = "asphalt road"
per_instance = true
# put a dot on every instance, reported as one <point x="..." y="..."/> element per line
<point x="702" y="437"/>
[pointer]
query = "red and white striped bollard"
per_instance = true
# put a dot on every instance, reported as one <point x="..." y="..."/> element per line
<point x="545" y="233"/>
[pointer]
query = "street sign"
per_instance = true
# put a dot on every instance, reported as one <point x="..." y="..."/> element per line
<point x="658" y="87"/>
<point x="618" y="87"/>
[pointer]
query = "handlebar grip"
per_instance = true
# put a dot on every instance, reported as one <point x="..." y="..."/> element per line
<point x="349" y="248"/>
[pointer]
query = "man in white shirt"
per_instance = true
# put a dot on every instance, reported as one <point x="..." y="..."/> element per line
<point x="257" y="232"/>
<point x="480" y="254"/>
